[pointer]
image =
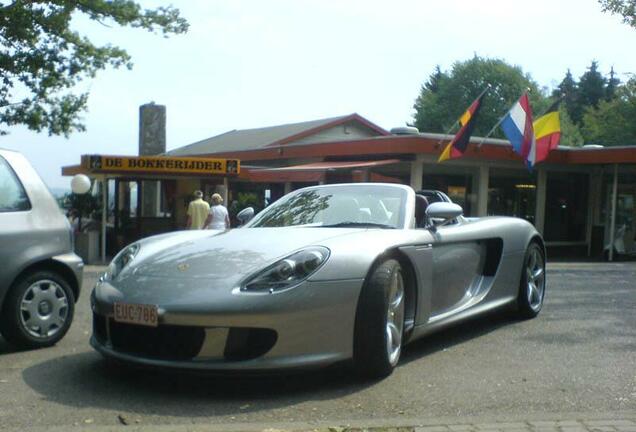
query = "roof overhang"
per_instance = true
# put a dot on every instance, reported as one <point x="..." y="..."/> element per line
<point x="433" y="144"/>
<point x="312" y="172"/>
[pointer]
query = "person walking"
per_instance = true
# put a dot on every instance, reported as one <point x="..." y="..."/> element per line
<point x="218" y="217"/>
<point x="197" y="212"/>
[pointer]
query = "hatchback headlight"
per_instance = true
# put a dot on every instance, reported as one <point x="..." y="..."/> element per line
<point x="121" y="260"/>
<point x="288" y="271"/>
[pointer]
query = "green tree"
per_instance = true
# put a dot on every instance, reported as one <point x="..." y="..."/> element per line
<point x="568" y="89"/>
<point x="591" y="90"/>
<point x="42" y="59"/>
<point x="612" y="122"/>
<point x="612" y="85"/>
<point x="446" y="95"/>
<point x="570" y="132"/>
<point x="244" y="200"/>
<point x="434" y="81"/>
<point x="85" y="206"/>
<point x="625" y="8"/>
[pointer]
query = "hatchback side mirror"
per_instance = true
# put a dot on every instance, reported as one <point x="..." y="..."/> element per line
<point x="245" y="215"/>
<point x="443" y="211"/>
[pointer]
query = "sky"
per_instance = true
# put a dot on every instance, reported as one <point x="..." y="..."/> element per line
<point x="254" y="63"/>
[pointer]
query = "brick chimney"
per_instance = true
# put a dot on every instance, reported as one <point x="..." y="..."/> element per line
<point x="152" y="141"/>
<point x="152" y="129"/>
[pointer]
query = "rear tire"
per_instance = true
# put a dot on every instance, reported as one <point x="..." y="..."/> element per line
<point x="379" y="325"/>
<point x="38" y="310"/>
<point x="532" y="283"/>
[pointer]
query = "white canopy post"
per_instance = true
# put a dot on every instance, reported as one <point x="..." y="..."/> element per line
<point x="104" y="214"/>
<point x="613" y="215"/>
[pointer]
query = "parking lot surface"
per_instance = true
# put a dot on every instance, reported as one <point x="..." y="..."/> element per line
<point x="576" y="362"/>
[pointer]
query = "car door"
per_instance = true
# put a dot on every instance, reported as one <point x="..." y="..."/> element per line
<point x="457" y="262"/>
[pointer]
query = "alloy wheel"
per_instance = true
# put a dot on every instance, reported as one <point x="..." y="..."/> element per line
<point x="395" y="318"/>
<point x="535" y="279"/>
<point x="44" y="309"/>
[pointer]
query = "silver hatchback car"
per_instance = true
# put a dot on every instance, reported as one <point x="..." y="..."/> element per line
<point x="40" y="276"/>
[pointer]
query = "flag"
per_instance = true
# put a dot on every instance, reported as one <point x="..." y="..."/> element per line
<point x="547" y="132"/>
<point x="517" y="126"/>
<point x="458" y="145"/>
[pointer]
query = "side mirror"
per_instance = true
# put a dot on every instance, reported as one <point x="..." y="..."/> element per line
<point x="444" y="210"/>
<point x="245" y="215"/>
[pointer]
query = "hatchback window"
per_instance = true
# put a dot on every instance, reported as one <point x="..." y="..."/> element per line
<point x="12" y="195"/>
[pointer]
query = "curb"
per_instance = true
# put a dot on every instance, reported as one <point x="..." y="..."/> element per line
<point x="551" y="423"/>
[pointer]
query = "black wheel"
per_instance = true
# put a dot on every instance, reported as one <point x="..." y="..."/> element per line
<point x="379" y="323"/>
<point x="38" y="310"/>
<point x="532" y="284"/>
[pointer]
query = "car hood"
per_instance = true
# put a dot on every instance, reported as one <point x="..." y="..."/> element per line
<point x="226" y="255"/>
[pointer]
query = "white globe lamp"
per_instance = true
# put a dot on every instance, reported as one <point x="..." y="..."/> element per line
<point x="80" y="184"/>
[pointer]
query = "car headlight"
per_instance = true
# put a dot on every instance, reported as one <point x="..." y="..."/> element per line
<point x="288" y="271"/>
<point x="121" y="260"/>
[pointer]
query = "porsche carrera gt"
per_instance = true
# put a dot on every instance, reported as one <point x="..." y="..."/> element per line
<point x="325" y="274"/>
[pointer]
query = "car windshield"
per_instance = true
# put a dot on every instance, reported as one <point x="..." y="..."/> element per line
<point x="337" y="206"/>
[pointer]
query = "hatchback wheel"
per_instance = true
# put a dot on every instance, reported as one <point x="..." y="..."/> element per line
<point x="38" y="310"/>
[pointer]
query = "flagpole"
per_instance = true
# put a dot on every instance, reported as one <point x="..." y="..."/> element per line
<point x="448" y="132"/>
<point x="492" y="130"/>
<point x="550" y="108"/>
<point x="499" y="122"/>
<point x="488" y="87"/>
<point x="501" y="119"/>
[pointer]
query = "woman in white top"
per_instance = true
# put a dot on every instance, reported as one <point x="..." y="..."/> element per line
<point x="218" y="218"/>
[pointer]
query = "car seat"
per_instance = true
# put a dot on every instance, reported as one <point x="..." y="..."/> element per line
<point x="421" y="203"/>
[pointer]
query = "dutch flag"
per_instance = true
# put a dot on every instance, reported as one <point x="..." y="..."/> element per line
<point x="517" y="126"/>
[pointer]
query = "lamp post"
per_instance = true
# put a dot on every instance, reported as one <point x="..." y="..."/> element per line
<point x="80" y="184"/>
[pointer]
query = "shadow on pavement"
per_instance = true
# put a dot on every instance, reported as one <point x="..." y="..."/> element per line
<point x="86" y="379"/>
<point x="6" y="347"/>
<point x="608" y="299"/>
<point x="457" y="334"/>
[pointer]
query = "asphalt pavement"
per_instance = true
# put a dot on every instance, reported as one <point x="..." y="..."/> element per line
<point x="572" y="368"/>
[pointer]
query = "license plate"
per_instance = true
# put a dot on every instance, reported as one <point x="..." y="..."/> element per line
<point x="140" y="314"/>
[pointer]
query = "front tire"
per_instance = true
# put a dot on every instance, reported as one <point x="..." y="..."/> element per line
<point x="38" y="310"/>
<point x="379" y="326"/>
<point x="532" y="284"/>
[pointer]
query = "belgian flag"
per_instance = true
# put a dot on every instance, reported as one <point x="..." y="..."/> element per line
<point x="458" y="145"/>
<point x="547" y="131"/>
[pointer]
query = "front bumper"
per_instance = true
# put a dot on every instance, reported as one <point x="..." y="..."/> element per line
<point x="308" y="326"/>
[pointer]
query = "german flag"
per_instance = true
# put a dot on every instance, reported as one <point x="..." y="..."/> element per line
<point x="458" y="145"/>
<point x="547" y="131"/>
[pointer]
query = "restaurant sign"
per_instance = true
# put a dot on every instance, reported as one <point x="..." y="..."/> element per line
<point x="160" y="164"/>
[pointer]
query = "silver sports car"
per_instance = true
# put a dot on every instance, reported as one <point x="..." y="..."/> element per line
<point x="325" y="274"/>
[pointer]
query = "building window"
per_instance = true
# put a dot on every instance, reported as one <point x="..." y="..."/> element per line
<point x="512" y="193"/>
<point x="457" y="187"/>
<point x="625" y="223"/>
<point x="566" y="207"/>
